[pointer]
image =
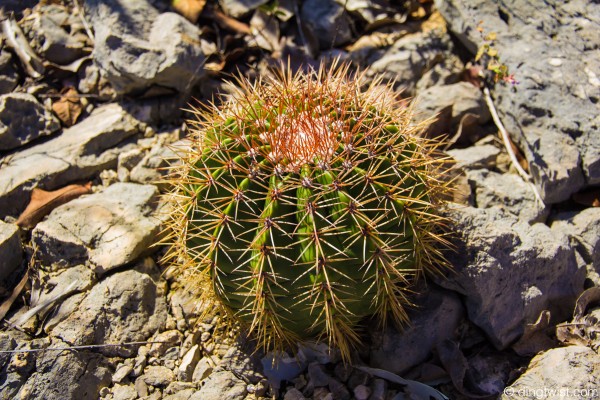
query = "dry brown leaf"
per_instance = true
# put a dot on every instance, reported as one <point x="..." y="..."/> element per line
<point x="584" y="330"/>
<point x="43" y="202"/>
<point x="68" y="108"/>
<point x="190" y="9"/>
<point x="377" y="40"/>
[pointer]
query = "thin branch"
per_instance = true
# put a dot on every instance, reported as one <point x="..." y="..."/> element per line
<point x="90" y="346"/>
<point x="507" y="142"/>
<point x="88" y="30"/>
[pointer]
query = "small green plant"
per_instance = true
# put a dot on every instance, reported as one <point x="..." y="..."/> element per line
<point x="306" y="202"/>
<point x="488" y="55"/>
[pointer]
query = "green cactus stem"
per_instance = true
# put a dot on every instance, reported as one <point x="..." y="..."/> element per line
<point x="307" y="202"/>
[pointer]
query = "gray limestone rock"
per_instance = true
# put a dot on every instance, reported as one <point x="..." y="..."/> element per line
<point x="460" y="98"/>
<point x="553" y="113"/>
<point x="584" y="227"/>
<point x="184" y="394"/>
<point x="67" y="375"/>
<point x="8" y="73"/>
<point x="124" y="392"/>
<point x="154" y="165"/>
<point x="203" y="370"/>
<point x="241" y="364"/>
<point x="185" y="371"/>
<point x="23" y="119"/>
<point x="106" y="229"/>
<point x="122" y="371"/>
<point x="221" y="385"/>
<point x="167" y="340"/>
<point x="328" y="21"/>
<point x="11" y="252"/>
<point x="408" y="59"/>
<point x="509" y="272"/>
<point x="508" y="192"/>
<point x="90" y="146"/>
<point x="157" y="376"/>
<point x="446" y="72"/>
<point x="11" y="379"/>
<point x="78" y="278"/>
<point x="138" y="48"/>
<point x="127" y="306"/>
<point x="65" y="285"/>
<point x="63" y="310"/>
<point x="435" y="318"/>
<point x="479" y="156"/>
<point x="54" y="43"/>
<point x="561" y="373"/>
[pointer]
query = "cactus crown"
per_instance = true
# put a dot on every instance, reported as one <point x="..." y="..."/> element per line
<point x="307" y="202"/>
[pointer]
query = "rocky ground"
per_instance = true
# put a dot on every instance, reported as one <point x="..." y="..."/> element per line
<point x="91" y="98"/>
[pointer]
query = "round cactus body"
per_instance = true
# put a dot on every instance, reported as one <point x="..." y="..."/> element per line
<point x="307" y="202"/>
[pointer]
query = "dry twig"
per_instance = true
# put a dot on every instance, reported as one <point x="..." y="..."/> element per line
<point x="507" y="143"/>
<point x="83" y="347"/>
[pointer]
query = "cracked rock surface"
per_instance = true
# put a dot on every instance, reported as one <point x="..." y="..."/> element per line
<point x="77" y="153"/>
<point x="107" y="229"/>
<point x="23" y="119"/>
<point x="526" y="253"/>
<point x="554" y="113"/>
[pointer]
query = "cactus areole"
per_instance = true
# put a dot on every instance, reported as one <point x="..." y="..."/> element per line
<point x="306" y="202"/>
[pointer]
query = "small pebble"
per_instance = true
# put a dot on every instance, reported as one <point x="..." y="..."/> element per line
<point x="206" y="327"/>
<point x="122" y="371"/>
<point x="140" y="361"/>
<point x="361" y="392"/>
<point x="141" y="387"/>
<point x="182" y="325"/>
<point x="202" y="371"/>
<point x="168" y="339"/>
<point x="188" y="364"/>
<point x="209" y="347"/>
<point x="124" y="392"/>
<point x="555" y="62"/>
<point x="157" y="376"/>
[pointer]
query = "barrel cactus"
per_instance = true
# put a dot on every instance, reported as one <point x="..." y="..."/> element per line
<point x="306" y="202"/>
